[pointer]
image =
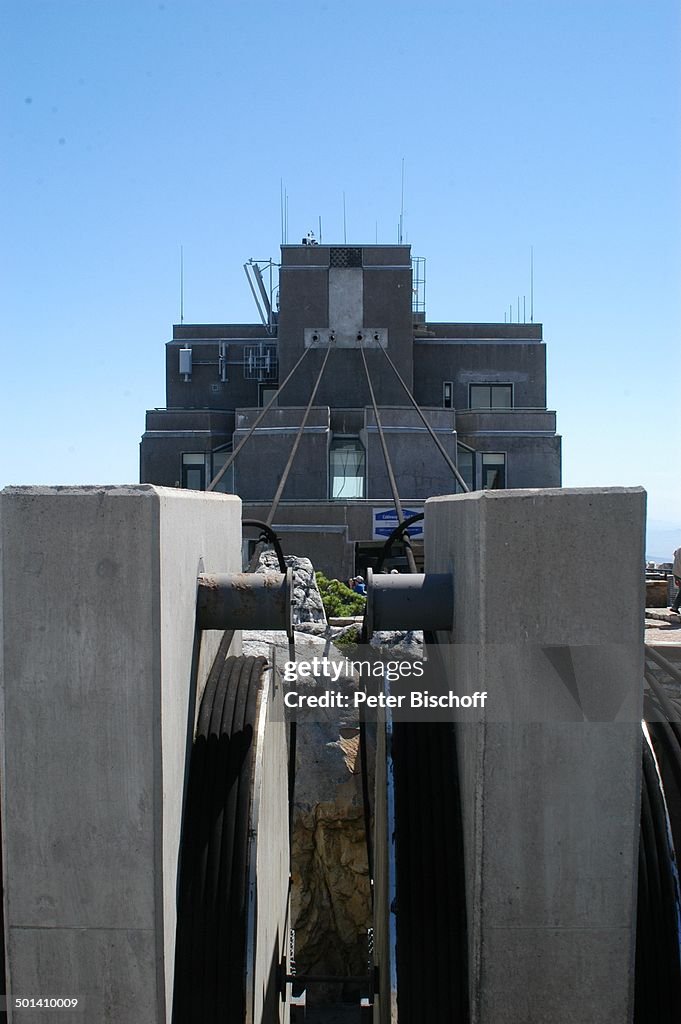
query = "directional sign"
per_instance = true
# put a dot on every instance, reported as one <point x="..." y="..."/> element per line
<point x="385" y="521"/>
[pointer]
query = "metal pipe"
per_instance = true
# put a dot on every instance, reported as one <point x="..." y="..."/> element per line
<point x="245" y="601"/>
<point x="410" y="601"/>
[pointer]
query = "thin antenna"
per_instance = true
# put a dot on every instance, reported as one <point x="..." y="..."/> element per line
<point x="345" y="235"/>
<point x="510" y="313"/>
<point x="281" y="207"/>
<point x="504" y="316"/>
<point x="402" y="205"/>
<point x="181" y="284"/>
<point x="320" y="229"/>
<point x="286" y="216"/>
<point x="531" y="284"/>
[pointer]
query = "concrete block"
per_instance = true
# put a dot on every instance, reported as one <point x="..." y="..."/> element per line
<point x="549" y="621"/>
<point x="99" y="654"/>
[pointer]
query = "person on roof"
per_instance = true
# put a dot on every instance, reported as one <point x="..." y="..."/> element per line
<point x="676" y="569"/>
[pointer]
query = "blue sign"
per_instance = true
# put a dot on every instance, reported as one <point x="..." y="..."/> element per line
<point x="385" y="521"/>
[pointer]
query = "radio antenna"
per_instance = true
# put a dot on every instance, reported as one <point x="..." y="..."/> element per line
<point x="181" y="284"/>
<point x="402" y="205"/>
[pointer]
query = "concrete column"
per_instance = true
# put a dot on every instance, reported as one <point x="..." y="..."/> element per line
<point x="549" y="621"/>
<point x="99" y="651"/>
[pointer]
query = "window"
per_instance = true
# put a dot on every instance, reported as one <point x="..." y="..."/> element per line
<point x="266" y="394"/>
<point x="194" y="471"/>
<point x="465" y="463"/>
<point x="491" y="396"/>
<point x="346" y="468"/>
<point x="493" y="470"/>
<point x="199" y="468"/>
<point x="448" y="394"/>
<point x="225" y="484"/>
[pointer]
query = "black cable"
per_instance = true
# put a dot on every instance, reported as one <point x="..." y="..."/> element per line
<point x="397" y="533"/>
<point x="267" y="535"/>
<point x="210" y="958"/>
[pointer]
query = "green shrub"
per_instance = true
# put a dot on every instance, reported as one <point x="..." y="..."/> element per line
<point x="338" y="599"/>
<point x="349" y="639"/>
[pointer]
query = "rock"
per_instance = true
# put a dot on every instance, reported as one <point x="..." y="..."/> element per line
<point x="330" y="895"/>
<point x="307" y="601"/>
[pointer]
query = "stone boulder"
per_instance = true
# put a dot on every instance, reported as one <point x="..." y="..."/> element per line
<point x="307" y="601"/>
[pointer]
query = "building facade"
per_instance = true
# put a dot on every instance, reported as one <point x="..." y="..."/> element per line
<point x="482" y="387"/>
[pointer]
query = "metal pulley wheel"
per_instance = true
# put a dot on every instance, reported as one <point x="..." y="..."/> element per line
<point x="234" y="858"/>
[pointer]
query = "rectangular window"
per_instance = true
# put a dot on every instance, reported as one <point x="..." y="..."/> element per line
<point x="346" y="468"/>
<point x="448" y="394"/>
<point x="225" y="484"/>
<point x="465" y="463"/>
<point x="194" y="471"/>
<point x="266" y="394"/>
<point x="493" y="470"/>
<point x="491" y="396"/>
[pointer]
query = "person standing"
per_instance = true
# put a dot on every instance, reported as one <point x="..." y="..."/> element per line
<point x="676" y="569"/>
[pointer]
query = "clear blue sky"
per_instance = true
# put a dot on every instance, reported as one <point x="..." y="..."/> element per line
<point x="130" y="127"/>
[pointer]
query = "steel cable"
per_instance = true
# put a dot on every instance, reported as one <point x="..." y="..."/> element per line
<point x="460" y="480"/>
<point x="258" y="420"/>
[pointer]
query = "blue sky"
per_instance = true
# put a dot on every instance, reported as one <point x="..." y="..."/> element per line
<point x="131" y="127"/>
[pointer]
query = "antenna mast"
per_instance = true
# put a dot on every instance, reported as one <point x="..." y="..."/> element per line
<point x="181" y="284"/>
<point x="402" y="205"/>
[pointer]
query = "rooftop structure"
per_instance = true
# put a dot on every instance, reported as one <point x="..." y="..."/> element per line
<point x="481" y="386"/>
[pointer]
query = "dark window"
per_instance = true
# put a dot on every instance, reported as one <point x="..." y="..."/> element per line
<point x="491" y="396"/>
<point x="346" y="468"/>
<point x="345" y="257"/>
<point x="465" y="460"/>
<point x="266" y="394"/>
<point x="226" y="482"/>
<point x="448" y="394"/>
<point x="194" y="471"/>
<point x="493" y="470"/>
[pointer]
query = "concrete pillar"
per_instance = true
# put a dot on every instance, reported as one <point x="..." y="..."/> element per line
<point x="98" y="646"/>
<point x="549" y="621"/>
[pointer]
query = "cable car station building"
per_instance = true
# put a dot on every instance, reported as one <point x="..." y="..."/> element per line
<point x="481" y="386"/>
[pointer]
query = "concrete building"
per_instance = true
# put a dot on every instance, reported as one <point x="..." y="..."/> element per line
<point x="481" y="386"/>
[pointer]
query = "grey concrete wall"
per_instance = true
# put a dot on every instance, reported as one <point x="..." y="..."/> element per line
<point x="521" y="363"/>
<point x="531" y="461"/>
<point x="304" y="300"/>
<point x="550" y="791"/>
<point x="418" y="466"/>
<point x="98" y="630"/>
<point x="205" y="389"/>
<point x="259" y="467"/>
